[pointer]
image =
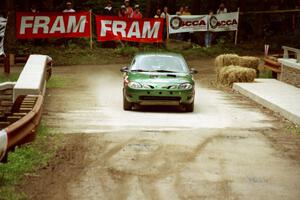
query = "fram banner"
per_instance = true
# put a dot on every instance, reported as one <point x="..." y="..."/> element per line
<point x="187" y="23"/>
<point x="224" y="22"/>
<point x="135" y="30"/>
<point x="52" y="25"/>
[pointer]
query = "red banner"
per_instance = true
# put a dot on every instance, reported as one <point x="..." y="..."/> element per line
<point x="52" y="25"/>
<point x="135" y="30"/>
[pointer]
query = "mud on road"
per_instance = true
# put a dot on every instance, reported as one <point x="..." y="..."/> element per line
<point x="229" y="148"/>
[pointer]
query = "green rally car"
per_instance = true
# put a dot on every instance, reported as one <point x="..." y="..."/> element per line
<point x="158" y="79"/>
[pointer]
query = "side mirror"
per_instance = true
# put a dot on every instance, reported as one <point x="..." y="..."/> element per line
<point x="193" y="71"/>
<point x="124" y="69"/>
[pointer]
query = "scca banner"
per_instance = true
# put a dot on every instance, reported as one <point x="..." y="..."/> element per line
<point x="187" y="23"/>
<point x="192" y="23"/>
<point x="224" y="22"/>
<point x="135" y="30"/>
<point x="52" y="25"/>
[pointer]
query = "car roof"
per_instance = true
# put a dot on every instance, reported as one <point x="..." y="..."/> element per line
<point x="158" y="54"/>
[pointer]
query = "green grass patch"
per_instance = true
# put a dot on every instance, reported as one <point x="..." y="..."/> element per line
<point x="57" y="82"/>
<point x="25" y="159"/>
<point x="80" y="53"/>
<point x="9" y="77"/>
<point x="265" y="74"/>
<point x="294" y="129"/>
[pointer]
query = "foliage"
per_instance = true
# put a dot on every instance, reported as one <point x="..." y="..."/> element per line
<point x="23" y="160"/>
<point x="127" y="50"/>
<point x="78" y="52"/>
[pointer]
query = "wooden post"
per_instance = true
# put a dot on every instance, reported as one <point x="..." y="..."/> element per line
<point x="91" y="31"/>
<point x="6" y="64"/>
<point x="11" y="59"/>
<point x="237" y="29"/>
<point x="167" y="25"/>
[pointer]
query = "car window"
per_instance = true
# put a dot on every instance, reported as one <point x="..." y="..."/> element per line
<point x="159" y="63"/>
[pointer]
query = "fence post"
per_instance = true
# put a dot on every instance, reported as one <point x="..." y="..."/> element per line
<point x="6" y="64"/>
<point x="91" y="31"/>
<point x="237" y="29"/>
<point x="285" y="53"/>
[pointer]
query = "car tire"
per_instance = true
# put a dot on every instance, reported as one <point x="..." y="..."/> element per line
<point x="126" y="104"/>
<point x="189" y="107"/>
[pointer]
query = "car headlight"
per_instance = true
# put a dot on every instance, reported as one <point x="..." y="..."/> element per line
<point x="134" y="85"/>
<point x="185" y="86"/>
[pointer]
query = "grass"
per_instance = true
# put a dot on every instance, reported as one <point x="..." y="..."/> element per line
<point x="294" y="129"/>
<point x="23" y="160"/>
<point x="57" y="82"/>
<point x="9" y="77"/>
<point x="81" y="54"/>
<point x="265" y="74"/>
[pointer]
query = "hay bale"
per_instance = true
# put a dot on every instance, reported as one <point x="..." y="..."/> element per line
<point x="226" y="60"/>
<point x="249" y="61"/>
<point x="232" y="74"/>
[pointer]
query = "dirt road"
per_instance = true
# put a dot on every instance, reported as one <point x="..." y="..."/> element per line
<point x="221" y="151"/>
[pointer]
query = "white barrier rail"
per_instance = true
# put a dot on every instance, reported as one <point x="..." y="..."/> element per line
<point x="32" y="80"/>
<point x="7" y="85"/>
<point x="286" y="51"/>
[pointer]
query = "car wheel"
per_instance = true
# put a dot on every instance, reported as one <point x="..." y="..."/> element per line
<point x="126" y="104"/>
<point x="189" y="107"/>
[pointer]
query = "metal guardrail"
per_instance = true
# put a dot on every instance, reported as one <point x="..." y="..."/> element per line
<point x="22" y="131"/>
<point x="26" y="112"/>
<point x="286" y="51"/>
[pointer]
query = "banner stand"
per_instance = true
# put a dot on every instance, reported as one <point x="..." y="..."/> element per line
<point x="91" y="31"/>
<point x="167" y="25"/>
<point x="237" y="29"/>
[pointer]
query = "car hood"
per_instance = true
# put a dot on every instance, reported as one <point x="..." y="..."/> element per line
<point x="160" y="80"/>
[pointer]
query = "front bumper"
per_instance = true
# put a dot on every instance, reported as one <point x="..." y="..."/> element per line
<point x="159" y="96"/>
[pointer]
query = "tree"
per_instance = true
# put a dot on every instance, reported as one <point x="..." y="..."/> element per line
<point x="10" y="33"/>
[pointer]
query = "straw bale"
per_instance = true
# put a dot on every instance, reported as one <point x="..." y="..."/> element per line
<point x="226" y="60"/>
<point x="231" y="74"/>
<point x="249" y="61"/>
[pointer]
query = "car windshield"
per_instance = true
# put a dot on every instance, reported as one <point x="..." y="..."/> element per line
<point x="161" y="63"/>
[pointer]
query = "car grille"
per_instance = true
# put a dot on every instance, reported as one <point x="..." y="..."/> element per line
<point x="160" y="98"/>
